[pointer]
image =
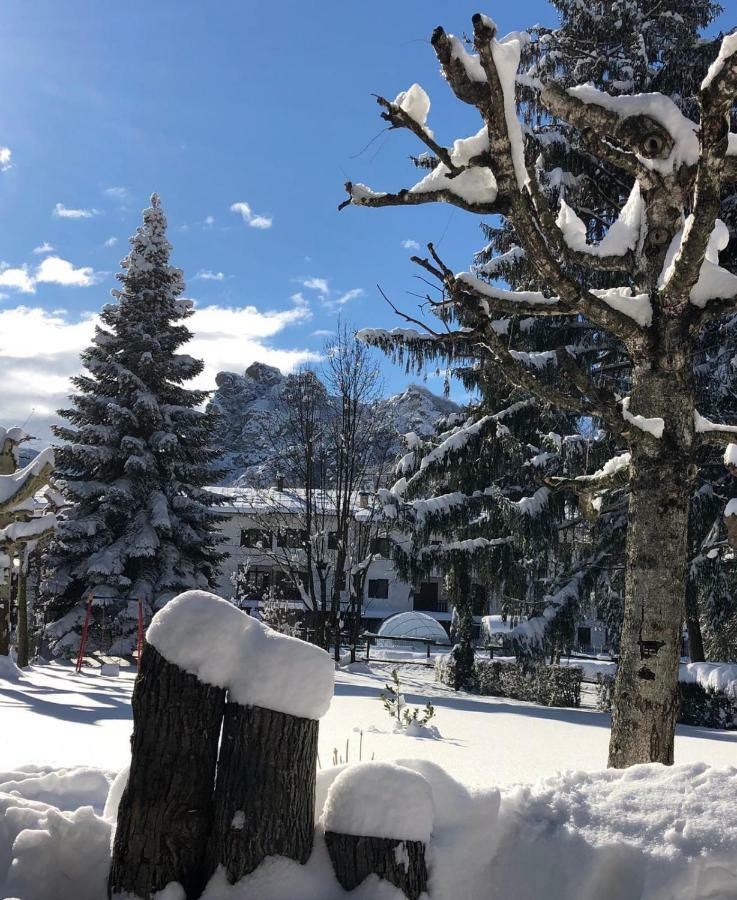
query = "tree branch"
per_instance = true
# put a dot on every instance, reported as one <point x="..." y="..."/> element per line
<point x="360" y="195"/>
<point x="715" y="99"/>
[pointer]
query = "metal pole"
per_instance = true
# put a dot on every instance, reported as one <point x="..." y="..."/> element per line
<point x="85" y="628"/>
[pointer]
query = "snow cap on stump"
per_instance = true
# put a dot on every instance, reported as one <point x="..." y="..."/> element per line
<point x="205" y="635"/>
<point x="381" y="800"/>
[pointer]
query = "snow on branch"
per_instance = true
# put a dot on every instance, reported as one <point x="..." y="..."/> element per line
<point x="717" y="433"/>
<point x="718" y="92"/>
<point x="653" y="426"/>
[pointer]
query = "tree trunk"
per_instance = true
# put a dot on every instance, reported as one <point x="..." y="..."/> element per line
<point x="5" y="591"/>
<point x="646" y="698"/>
<point x="22" y="626"/>
<point x="165" y="812"/>
<point x="693" y="624"/>
<point x="400" y="862"/>
<point x="265" y="791"/>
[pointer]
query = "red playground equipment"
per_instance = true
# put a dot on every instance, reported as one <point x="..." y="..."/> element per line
<point x="86" y="629"/>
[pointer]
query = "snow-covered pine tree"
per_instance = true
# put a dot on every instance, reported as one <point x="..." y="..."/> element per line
<point x="669" y="286"/>
<point x="135" y="458"/>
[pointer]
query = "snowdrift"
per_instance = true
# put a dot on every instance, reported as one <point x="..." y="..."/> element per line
<point x="648" y="833"/>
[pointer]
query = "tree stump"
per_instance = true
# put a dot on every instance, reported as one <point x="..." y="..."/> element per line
<point x="165" y="813"/>
<point x="265" y="790"/>
<point x="400" y="862"/>
<point x="378" y="820"/>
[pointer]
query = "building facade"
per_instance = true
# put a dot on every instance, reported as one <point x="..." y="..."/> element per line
<point x="265" y="535"/>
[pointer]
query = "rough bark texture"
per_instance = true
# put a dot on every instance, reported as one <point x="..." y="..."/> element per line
<point x="22" y="626"/>
<point x="265" y="791"/>
<point x="400" y="862"/>
<point x="165" y="812"/>
<point x="5" y="618"/>
<point x="646" y="699"/>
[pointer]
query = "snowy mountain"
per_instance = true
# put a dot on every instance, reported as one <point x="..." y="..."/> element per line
<point x="249" y="407"/>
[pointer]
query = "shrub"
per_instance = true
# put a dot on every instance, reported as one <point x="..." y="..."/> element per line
<point x="547" y="685"/>
<point x="700" y="706"/>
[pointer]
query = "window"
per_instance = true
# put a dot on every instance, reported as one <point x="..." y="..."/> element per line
<point x="291" y="538"/>
<point x="253" y="583"/>
<point x="256" y="538"/>
<point x="427" y="598"/>
<point x="382" y="546"/>
<point x="332" y="540"/>
<point x="584" y="637"/>
<point x="378" y="588"/>
<point x="285" y="587"/>
<point x="479" y="599"/>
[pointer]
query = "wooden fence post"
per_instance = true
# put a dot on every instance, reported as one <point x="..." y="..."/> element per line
<point x="165" y="813"/>
<point x="378" y="820"/>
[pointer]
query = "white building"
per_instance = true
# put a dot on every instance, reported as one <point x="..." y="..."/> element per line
<point x="262" y="530"/>
<point x="262" y="527"/>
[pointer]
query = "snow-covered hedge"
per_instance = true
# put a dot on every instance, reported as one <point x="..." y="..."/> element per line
<point x="704" y="706"/>
<point x="547" y="685"/>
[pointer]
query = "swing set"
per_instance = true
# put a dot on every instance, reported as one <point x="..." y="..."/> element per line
<point x="105" y="626"/>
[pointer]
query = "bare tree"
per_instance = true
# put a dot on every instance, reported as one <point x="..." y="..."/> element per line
<point x="331" y="449"/>
<point x="671" y="286"/>
<point x="358" y="444"/>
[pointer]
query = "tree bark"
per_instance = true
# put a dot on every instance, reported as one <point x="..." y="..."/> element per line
<point x="165" y="812"/>
<point x="265" y="791"/>
<point x="22" y="605"/>
<point x="400" y="862"/>
<point x="5" y="616"/>
<point x="695" y="639"/>
<point x="646" y="698"/>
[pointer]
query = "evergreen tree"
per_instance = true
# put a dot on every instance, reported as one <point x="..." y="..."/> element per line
<point x="136" y="456"/>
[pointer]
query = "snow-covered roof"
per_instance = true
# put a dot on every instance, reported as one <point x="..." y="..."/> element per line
<point x="260" y="500"/>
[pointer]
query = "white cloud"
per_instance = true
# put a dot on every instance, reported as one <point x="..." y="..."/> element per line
<point x="39" y="351"/>
<point x="327" y="296"/>
<point x="209" y="221"/>
<point x="119" y="193"/>
<point x="5" y="157"/>
<point x="347" y="297"/>
<point x="249" y="217"/>
<point x="63" y="212"/>
<point x="207" y="275"/>
<point x="317" y="284"/>
<point x="54" y="270"/>
<point x="19" y="279"/>
<point x="111" y="242"/>
<point x="51" y="270"/>
<point x="322" y="332"/>
<point x="43" y="248"/>
<point x="409" y="244"/>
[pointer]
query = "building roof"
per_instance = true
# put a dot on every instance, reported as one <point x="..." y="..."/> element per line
<point x="289" y="500"/>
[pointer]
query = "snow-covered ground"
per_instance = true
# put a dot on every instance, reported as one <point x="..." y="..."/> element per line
<point x="559" y="827"/>
<point x="52" y="716"/>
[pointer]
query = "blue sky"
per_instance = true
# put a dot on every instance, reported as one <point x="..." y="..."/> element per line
<point x="214" y="105"/>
